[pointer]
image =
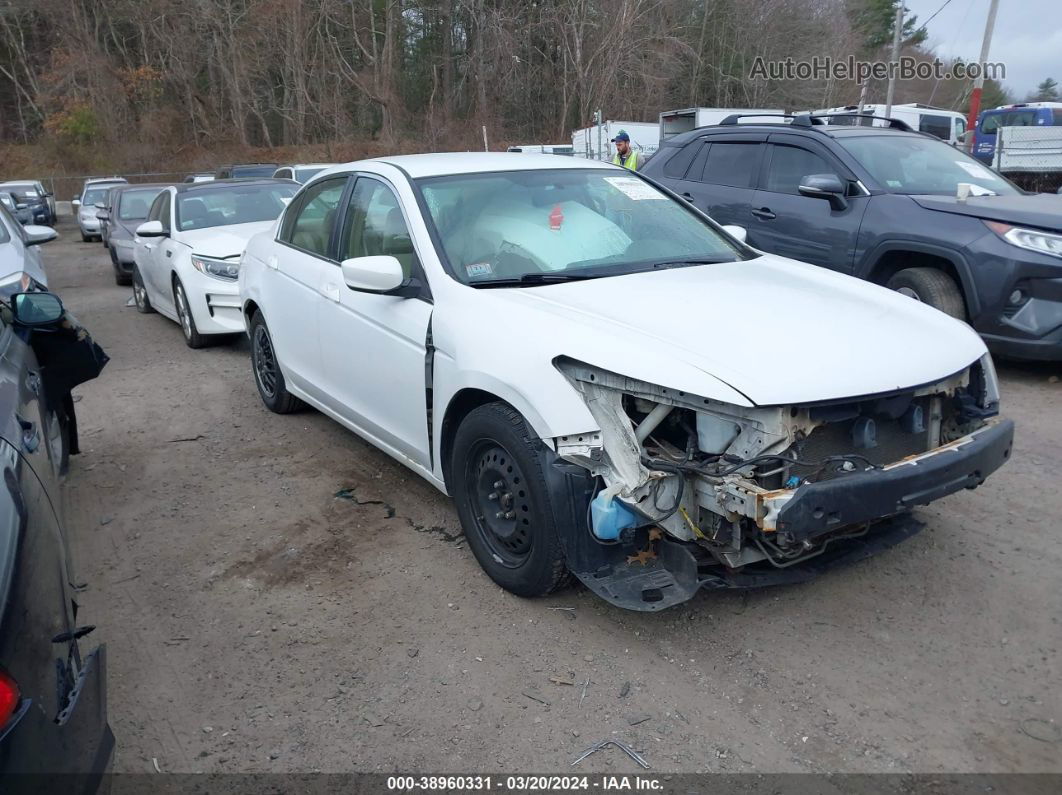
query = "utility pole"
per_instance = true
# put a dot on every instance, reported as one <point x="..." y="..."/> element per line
<point x="979" y="81"/>
<point x="597" y="121"/>
<point x="894" y="61"/>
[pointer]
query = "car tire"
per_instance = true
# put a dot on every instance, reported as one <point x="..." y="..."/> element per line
<point x="510" y="527"/>
<point x="85" y="238"/>
<point x="268" y="376"/>
<point x="185" y="318"/>
<point x="140" y="296"/>
<point x="57" y="436"/>
<point x="930" y="286"/>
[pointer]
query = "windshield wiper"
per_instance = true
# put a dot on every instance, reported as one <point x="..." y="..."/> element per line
<point x="529" y="279"/>
<point x="681" y="263"/>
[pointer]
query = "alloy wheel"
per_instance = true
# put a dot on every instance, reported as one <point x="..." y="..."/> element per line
<point x="183" y="312"/>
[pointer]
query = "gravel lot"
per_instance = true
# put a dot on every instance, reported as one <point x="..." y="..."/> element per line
<point x="257" y="622"/>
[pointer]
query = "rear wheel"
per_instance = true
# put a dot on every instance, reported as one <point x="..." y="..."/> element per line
<point x="184" y="314"/>
<point x="140" y="296"/>
<point x="503" y="501"/>
<point x="267" y="375"/>
<point x="930" y="286"/>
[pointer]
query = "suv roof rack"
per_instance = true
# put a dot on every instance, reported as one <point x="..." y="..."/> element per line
<point x="799" y="120"/>
<point x="895" y="124"/>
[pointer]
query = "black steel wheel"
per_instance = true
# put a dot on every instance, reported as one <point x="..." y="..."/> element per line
<point x="499" y="485"/>
<point x="268" y="376"/>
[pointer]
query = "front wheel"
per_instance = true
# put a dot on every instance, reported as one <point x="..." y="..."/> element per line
<point x="930" y="286"/>
<point x="57" y="432"/>
<point x="503" y="501"/>
<point x="267" y="375"/>
<point x="184" y="315"/>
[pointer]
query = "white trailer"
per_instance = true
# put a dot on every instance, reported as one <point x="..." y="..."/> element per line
<point x="947" y="125"/>
<point x="674" y="122"/>
<point x="595" y="142"/>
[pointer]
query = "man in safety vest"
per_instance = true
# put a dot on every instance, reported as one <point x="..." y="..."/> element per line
<point x="625" y="156"/>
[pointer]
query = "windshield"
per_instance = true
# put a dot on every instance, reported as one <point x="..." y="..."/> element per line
<point x="94" y="196"/>
<point x="231" y="204"/>
<point x="22" y="190"/>
<point x="303" y="174"/>
<point x="133" y="205"/>
<point x="254" y="171"/>
<point x="564" y="223"/>
<point x="909" y="165"/>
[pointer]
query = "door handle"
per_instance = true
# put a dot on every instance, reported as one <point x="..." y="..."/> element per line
<point x="331" y="292"/>
<point x="687" y="196"/>
<point x="272" y="262"/>
<point x="149" y="246"/>
<point x="764" y="213"/>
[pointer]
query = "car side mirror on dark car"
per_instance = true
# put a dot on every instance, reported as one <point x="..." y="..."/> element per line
<point x="33" y="310"/>
<point x="824" y="186"/>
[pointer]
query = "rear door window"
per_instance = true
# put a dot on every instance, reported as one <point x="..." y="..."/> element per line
<point x="940" y="126"/>
<point x="679" y="163"/>
<point x="311" y="226"/>
<point x="731" y="163"/>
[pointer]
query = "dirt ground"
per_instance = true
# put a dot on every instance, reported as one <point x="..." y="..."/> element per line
<point x="257" y="622"/>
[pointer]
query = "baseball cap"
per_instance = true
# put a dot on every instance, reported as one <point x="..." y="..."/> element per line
<point x="621" y="136"/>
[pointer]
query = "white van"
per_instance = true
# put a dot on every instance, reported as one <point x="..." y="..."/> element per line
<point x="947" y="125"/>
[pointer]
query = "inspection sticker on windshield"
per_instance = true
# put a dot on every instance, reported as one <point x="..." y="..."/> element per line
<point x="975" y="170"/>
<point x="479" y="269"/>
<point x="634" y="188"/>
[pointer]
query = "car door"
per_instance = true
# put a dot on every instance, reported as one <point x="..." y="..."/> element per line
<point x="805" y="228"/>
<point x="373" y="345"/>
<point x="164" y="253"/>
<point x="147" y="250"/>
<point x="721" y="177"/>
<point x="291" y="295"/>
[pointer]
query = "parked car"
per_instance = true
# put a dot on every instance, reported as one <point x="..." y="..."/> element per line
<point x="571" y="353"/>
<point x="88" y="203"/>
<point x="53" y="694"/>
<point x="882" y="204"/>
<point x="246" y="171"/>
<point x="127" y="208"/>
<point x="202" y="176"/>
<point x="37" y="200"/>
<point x="18" y="209"/>
<point x="301" y="172"/>
<point x="20" y="255"/>
<point x="187" y="253"/>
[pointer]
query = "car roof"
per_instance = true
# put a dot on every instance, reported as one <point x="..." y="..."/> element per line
<point x="186" y="187"/>
<point x="448" y="163"/>
<point x="830" y="130"/>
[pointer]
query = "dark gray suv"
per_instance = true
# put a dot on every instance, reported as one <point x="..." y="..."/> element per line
<point x="882" y="204"/>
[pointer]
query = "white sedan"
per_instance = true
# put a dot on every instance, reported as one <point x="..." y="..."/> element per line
<point x="608" y="383"/>
<point x="187" y="252"/>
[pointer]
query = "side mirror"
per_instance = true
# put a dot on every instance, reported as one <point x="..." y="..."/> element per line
<point x="151" y="229"/>
<point x="36" y="309"/>
<point x="738" y="232"/>
<point x="75" y="202"/>
<point x="376" y="274"/>
<point x="824" y="186"/>
<point x="35" y="235"/>
<point x="101" y="206"/>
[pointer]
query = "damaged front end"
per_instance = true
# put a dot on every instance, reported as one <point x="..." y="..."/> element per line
<point x="690" y="492"/>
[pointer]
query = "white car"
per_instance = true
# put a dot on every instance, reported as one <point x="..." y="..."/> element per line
<point x="187" y="253"/>
<point x="20" y="255"/>
<point x="301" y="172"/>
<point x="608" y="383"/>
<point x="90" y="201"/>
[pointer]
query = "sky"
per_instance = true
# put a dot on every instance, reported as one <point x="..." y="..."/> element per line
<point x="1027" y="37"/>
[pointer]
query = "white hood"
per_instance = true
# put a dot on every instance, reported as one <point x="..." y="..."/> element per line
<point x="777" y="331"/>
<point x="222" y="241"/>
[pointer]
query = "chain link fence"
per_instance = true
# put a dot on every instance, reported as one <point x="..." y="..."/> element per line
<point x="1030" y="156"/>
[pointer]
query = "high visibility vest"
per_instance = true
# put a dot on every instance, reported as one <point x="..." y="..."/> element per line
<point x="632" y="160"/>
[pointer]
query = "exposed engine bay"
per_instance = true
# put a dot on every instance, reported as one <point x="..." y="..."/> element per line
<point x="721" y="476"/>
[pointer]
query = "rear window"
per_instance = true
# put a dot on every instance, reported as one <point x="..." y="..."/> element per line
<point x="731" y="164"/>
<point x="254" y="171"/>
<point x="940" y="126"/>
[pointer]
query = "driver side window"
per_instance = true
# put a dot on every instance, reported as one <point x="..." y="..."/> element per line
<point x="789" y="164"/>
<point x="374" y="225"/>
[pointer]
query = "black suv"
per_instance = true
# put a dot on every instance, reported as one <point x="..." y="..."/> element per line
<point x="881" y="203"/>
